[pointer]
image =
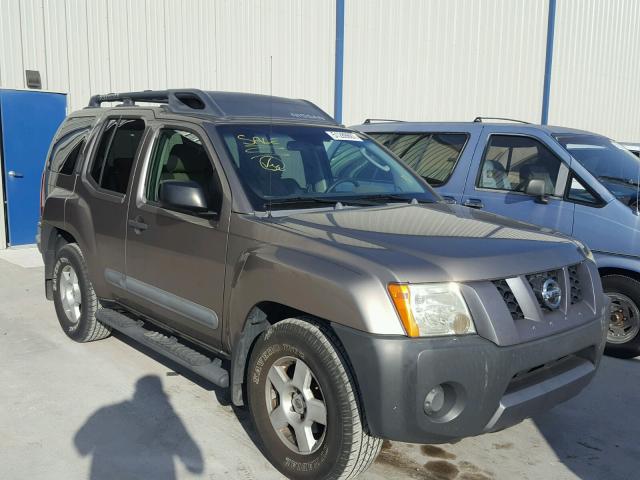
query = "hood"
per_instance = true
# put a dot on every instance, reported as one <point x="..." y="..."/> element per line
<point x="422" y="243"/>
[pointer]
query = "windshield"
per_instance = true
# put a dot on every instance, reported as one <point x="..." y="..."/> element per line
<point x="611" y="163"/>
<point x="289" y="166"/>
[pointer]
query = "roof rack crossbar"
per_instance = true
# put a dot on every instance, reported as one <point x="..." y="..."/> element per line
<point x="482" y="119"/>
<point x="371" y="120"/>
<point x="150" y="96"/>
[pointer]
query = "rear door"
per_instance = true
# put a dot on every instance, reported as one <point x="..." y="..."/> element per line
<point x="105" y="192"/>
<point x="28" y="122"/>
<point x="176" y="260"/>
<point x="441" y="155"/>
<point x="503" y="165"/>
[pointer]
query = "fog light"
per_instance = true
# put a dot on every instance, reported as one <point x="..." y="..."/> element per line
<point x="434" y="401"/>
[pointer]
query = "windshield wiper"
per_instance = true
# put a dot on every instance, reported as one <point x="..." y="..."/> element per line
<point x="301" y="201"/>
<point x="394" y="197"/>
<point x="624" y="181"/>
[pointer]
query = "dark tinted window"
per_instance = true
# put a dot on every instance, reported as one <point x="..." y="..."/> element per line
<point x="103" y="149"/>
<point x="179" y="155"/>
<point x="70" y="161"/>
<point x="510" y="162"/>
<point x="116" y="153"/>
<point x="63" y="149"/>
<point x="432" y="155"/>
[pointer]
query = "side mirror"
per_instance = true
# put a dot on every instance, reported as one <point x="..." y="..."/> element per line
<point x="183" y="195"/>
<point x="536" y="188"/>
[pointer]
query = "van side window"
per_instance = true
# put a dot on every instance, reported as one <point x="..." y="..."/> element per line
<point x="116" y="152"/>
<point x="577" y="192"/>
<point x="70" y="161"/>
<point x="510" y="162"/>
<point x="433" y="156"/>
<point x="180" y="155"/>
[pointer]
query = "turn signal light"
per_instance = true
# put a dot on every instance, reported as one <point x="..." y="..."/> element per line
<point x="401" y="299"/>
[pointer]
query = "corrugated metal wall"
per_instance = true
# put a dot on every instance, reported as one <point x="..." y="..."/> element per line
<point x="85" y="47"/>
<point x="596" y="67"/>
<point x="443" y="59"/>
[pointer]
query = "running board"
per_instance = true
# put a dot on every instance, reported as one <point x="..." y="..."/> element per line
<point x="170" y="347"/>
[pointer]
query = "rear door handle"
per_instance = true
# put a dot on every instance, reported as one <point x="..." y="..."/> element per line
<point x="138" y="225"/>
<point x="473" y="203"/>
<point x="15" y="174"/>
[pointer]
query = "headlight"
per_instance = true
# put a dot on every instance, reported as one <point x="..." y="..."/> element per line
<point x="431" y="309"/>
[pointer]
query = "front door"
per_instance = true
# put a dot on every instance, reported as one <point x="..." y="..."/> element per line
<point x="500" y="174"/>
<point x="28" y="122"/>
<point x="175" y="260"/>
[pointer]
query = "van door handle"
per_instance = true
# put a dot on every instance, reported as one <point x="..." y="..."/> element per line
<point x="473" y="203"/>
<point x="448" y="199"/>
<point x="14" y="174"/>
<point x="138" y="225"/>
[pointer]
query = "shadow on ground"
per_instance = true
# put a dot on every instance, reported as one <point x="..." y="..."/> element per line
<point x="590" y="434"/>
<point x="138" y="438"/>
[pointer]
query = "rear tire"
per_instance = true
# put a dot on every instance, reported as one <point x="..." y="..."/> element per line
<point x="74" y="298"/>
<point x="310" y="429"/>
<point x="623" y="337"/>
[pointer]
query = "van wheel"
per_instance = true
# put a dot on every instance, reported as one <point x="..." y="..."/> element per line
<point x="623" y="337"/>
<point x="303" y="402"/>
<point x="73" y="296"/>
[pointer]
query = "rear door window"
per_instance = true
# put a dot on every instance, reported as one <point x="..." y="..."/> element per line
<point x="433" y="156"/>
<point x="116" y="153"/>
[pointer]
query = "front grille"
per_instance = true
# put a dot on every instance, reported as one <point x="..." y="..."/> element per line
<point x="537" y="281"/>
<point x="510" y="299"/>
<point x="574" y="283"/>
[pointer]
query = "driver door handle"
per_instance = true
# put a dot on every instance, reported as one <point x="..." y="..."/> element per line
<point x="15" y="174"/>
<point x="138" y="225"/>
<point x="473" y="203"/>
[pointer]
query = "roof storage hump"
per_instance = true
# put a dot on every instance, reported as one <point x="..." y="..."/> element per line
<point x="223" y="105"/>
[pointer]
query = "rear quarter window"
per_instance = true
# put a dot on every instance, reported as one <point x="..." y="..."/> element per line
<point x="431" y="155"/>
<point x="65" y="150"/>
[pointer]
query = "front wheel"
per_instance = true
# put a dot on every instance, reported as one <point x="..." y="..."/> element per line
<point x="303" y="402"/>
<point x="623" y="337"/>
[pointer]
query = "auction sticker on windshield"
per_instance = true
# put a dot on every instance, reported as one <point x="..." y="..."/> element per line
<point x="349" y="136"/>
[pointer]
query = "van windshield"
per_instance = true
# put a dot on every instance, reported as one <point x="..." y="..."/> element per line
<point x="291" y="166"/>
<point x="615" y="166"/>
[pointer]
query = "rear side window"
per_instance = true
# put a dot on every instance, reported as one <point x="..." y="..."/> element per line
<point x="70" y="161"/>
<point x="433" y="156"/>
<point x="116" y="152"/>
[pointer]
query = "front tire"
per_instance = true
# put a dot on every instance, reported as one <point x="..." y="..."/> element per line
<point x="623" y="337"/>
<point x="74" y="298"/>
<point x="304" y="404"/>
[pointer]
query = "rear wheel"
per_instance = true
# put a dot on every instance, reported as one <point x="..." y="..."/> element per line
<point x="75" y="301"/>
<point x="623" y="337"/>
<point x="304" y="405"/>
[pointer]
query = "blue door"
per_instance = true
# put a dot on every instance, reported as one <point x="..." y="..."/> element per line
<point x="28" y="121"/>
<point x="504" y="165"/>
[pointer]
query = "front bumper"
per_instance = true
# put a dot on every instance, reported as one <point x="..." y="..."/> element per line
<point x="487" y="387"/>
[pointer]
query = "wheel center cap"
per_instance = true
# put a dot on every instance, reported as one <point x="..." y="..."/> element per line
<point x="298" y="403"/>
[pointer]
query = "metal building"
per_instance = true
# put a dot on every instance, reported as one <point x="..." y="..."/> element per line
<point x="567" y="62"/>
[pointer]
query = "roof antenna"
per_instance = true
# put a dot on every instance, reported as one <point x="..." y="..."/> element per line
<point x="270" y="126"/>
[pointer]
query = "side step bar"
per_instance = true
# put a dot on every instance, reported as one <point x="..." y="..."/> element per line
<point x="170" y="347"/>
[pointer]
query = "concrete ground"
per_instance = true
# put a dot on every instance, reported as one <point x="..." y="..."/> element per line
<point x="110" y="410"/>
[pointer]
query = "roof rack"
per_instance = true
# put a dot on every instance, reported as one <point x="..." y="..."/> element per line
<point x="371" y="120"/>
<point x="222" y="104"/>
<point x="482" y="119"/>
